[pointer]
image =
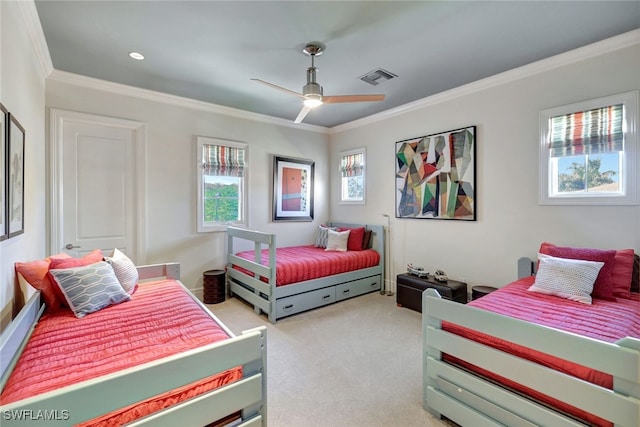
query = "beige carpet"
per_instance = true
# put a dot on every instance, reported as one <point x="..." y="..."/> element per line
<point x="353" y="363"/>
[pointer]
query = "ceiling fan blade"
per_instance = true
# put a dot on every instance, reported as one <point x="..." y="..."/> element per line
<point x="299" y="95"/>
<point x="302" y="114"/>
<point x="336" y="99"/>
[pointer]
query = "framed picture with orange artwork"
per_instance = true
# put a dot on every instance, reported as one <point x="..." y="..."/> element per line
<point x="292" y="189"/>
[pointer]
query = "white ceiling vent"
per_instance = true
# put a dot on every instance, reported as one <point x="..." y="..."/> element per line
<point x="377" y="76"/>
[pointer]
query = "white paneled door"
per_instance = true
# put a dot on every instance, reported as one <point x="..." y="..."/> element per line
<point x="97" y="194"/>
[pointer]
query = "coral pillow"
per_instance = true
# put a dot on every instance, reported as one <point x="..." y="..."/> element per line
<point x="36" y="273"/>
<point x="602" y="288"/>
<point x="90" y="258"/>
<point x="356" y="238"/>
<point x="622" y="275"/>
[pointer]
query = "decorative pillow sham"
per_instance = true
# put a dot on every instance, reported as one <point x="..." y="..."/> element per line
<point x="90" y="288"/>
<point x="90" y="258"/>
<point x="602" y="288"/>
<point x="356" y="238"/>
<point x="125" y="270"/>
<point x="36" y="273"/>
<point x="323" y="236"/>
<point x="337" y="241"/>
<point x="566" y="278"/>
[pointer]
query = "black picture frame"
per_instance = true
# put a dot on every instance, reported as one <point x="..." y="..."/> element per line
<point x="15" y="177"/>
<point x="4" y="229"/>
<point x="435" y="176"/>
<point x="292" y="189"/>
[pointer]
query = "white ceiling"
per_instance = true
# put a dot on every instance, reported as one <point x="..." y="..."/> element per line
<point x="209" y="50"/>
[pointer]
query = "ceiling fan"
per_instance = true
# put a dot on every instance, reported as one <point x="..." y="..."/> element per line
<point x="312" y="95"/>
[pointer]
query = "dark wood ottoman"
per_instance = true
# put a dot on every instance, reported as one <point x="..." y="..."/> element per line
<point x="410" y="289"/>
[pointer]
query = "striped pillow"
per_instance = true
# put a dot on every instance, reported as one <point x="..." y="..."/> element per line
<point x="125" y="270"/>
<point x="566" y="278"/>
<point x="323" y="236"/>
<point x="89" y="288"/>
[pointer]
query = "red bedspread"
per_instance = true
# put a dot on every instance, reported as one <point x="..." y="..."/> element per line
<point x="603" y="320"/>
<point x="299" y="263"/>
<point x="160" y="320"/>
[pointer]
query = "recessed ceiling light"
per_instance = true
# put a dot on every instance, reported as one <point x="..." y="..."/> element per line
<point x="136" y="55"/>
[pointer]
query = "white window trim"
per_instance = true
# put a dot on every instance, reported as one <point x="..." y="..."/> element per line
<point x="364" y="176"/>
<point x="630" y="158"/>
<point x="207" y="228"/>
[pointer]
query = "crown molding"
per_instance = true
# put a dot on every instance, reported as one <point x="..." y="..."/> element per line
<point x="34" y="28"/>
<point x="580" y="54"/>
<point x="179" y="101"/>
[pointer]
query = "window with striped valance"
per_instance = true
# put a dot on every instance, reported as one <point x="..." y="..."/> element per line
<point x="595" y="131"/>
<point x="221" y="160"/>
<point x="352" y="164"/>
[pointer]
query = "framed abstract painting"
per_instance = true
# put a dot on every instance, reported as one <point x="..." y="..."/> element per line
<point x="292" y="189"/>
<point x="436" y="176"/>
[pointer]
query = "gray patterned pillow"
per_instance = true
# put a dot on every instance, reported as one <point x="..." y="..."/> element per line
<point x="125" y="270"/>
<point x="566" y="278"/>
<point x="323" y="236"/>
<point x="90" y="288"/>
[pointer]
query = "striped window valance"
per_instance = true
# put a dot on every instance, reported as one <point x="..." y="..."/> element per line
<point x="352" y="164"/>
<point x="221" y="160"/>
<point x="587" y="132"/>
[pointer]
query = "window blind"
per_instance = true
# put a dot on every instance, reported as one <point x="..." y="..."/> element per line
<point x="587" y="132"/>
<point x="352" y="165"/>
<point x="221" y="160"/>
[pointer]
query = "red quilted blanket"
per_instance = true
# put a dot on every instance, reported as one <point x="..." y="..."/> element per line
<point x="160" y="320"/>
<point x="603" y="320"/>
<point x="299" y="263"/>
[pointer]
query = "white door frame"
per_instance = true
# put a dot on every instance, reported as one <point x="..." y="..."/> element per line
<point x="57" y="120"/>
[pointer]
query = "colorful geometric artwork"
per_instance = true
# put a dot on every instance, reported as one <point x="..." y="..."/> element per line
<point x="435" y="176"/>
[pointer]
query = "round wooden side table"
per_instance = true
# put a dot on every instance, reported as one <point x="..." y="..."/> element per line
<point x="480" y="291"/>
<point x="214" y="284"/>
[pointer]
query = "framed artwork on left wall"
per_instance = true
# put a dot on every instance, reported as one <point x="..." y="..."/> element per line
<point x="3" y="173"/>
<point x="15" y="182"/>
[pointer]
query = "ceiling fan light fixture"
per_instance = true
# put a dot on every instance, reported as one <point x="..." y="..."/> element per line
<point x="312" y="101"/>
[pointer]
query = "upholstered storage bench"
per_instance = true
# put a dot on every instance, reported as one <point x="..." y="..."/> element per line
<point x="410" y="289"/>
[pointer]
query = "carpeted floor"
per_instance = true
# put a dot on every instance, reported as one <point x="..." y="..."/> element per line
<point x="354" y="363"/>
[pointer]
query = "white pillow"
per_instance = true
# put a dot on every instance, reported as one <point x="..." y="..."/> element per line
<point x="125" y="270"/>
<point x="337" y="240"/>
<point x="572" y="279"/>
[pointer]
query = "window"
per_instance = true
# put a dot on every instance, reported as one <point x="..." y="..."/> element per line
<point x="222" y="172"/>
<point x="589" y="152"/>
<point x="352" y="176"/>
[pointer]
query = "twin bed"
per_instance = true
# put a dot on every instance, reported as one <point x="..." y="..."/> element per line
<point x="161" y="358"/>
<point x="285" y="281"/>
<point x="522" y="358"/>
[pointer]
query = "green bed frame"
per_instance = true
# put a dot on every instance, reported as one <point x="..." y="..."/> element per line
<point x="471" y="400"/>
<point x="89" y="399"/>
<point x="281" y="301"/>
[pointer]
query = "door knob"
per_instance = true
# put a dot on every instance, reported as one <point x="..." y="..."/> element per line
<point x="70" y="246"/>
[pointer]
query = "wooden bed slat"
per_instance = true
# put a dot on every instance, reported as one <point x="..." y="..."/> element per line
<point x="200" y="410"/>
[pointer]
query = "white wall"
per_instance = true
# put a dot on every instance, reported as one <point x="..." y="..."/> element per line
<point x="171" y="170"/>
<point x="510" y="223"/>
<point x="22" y="82"/>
